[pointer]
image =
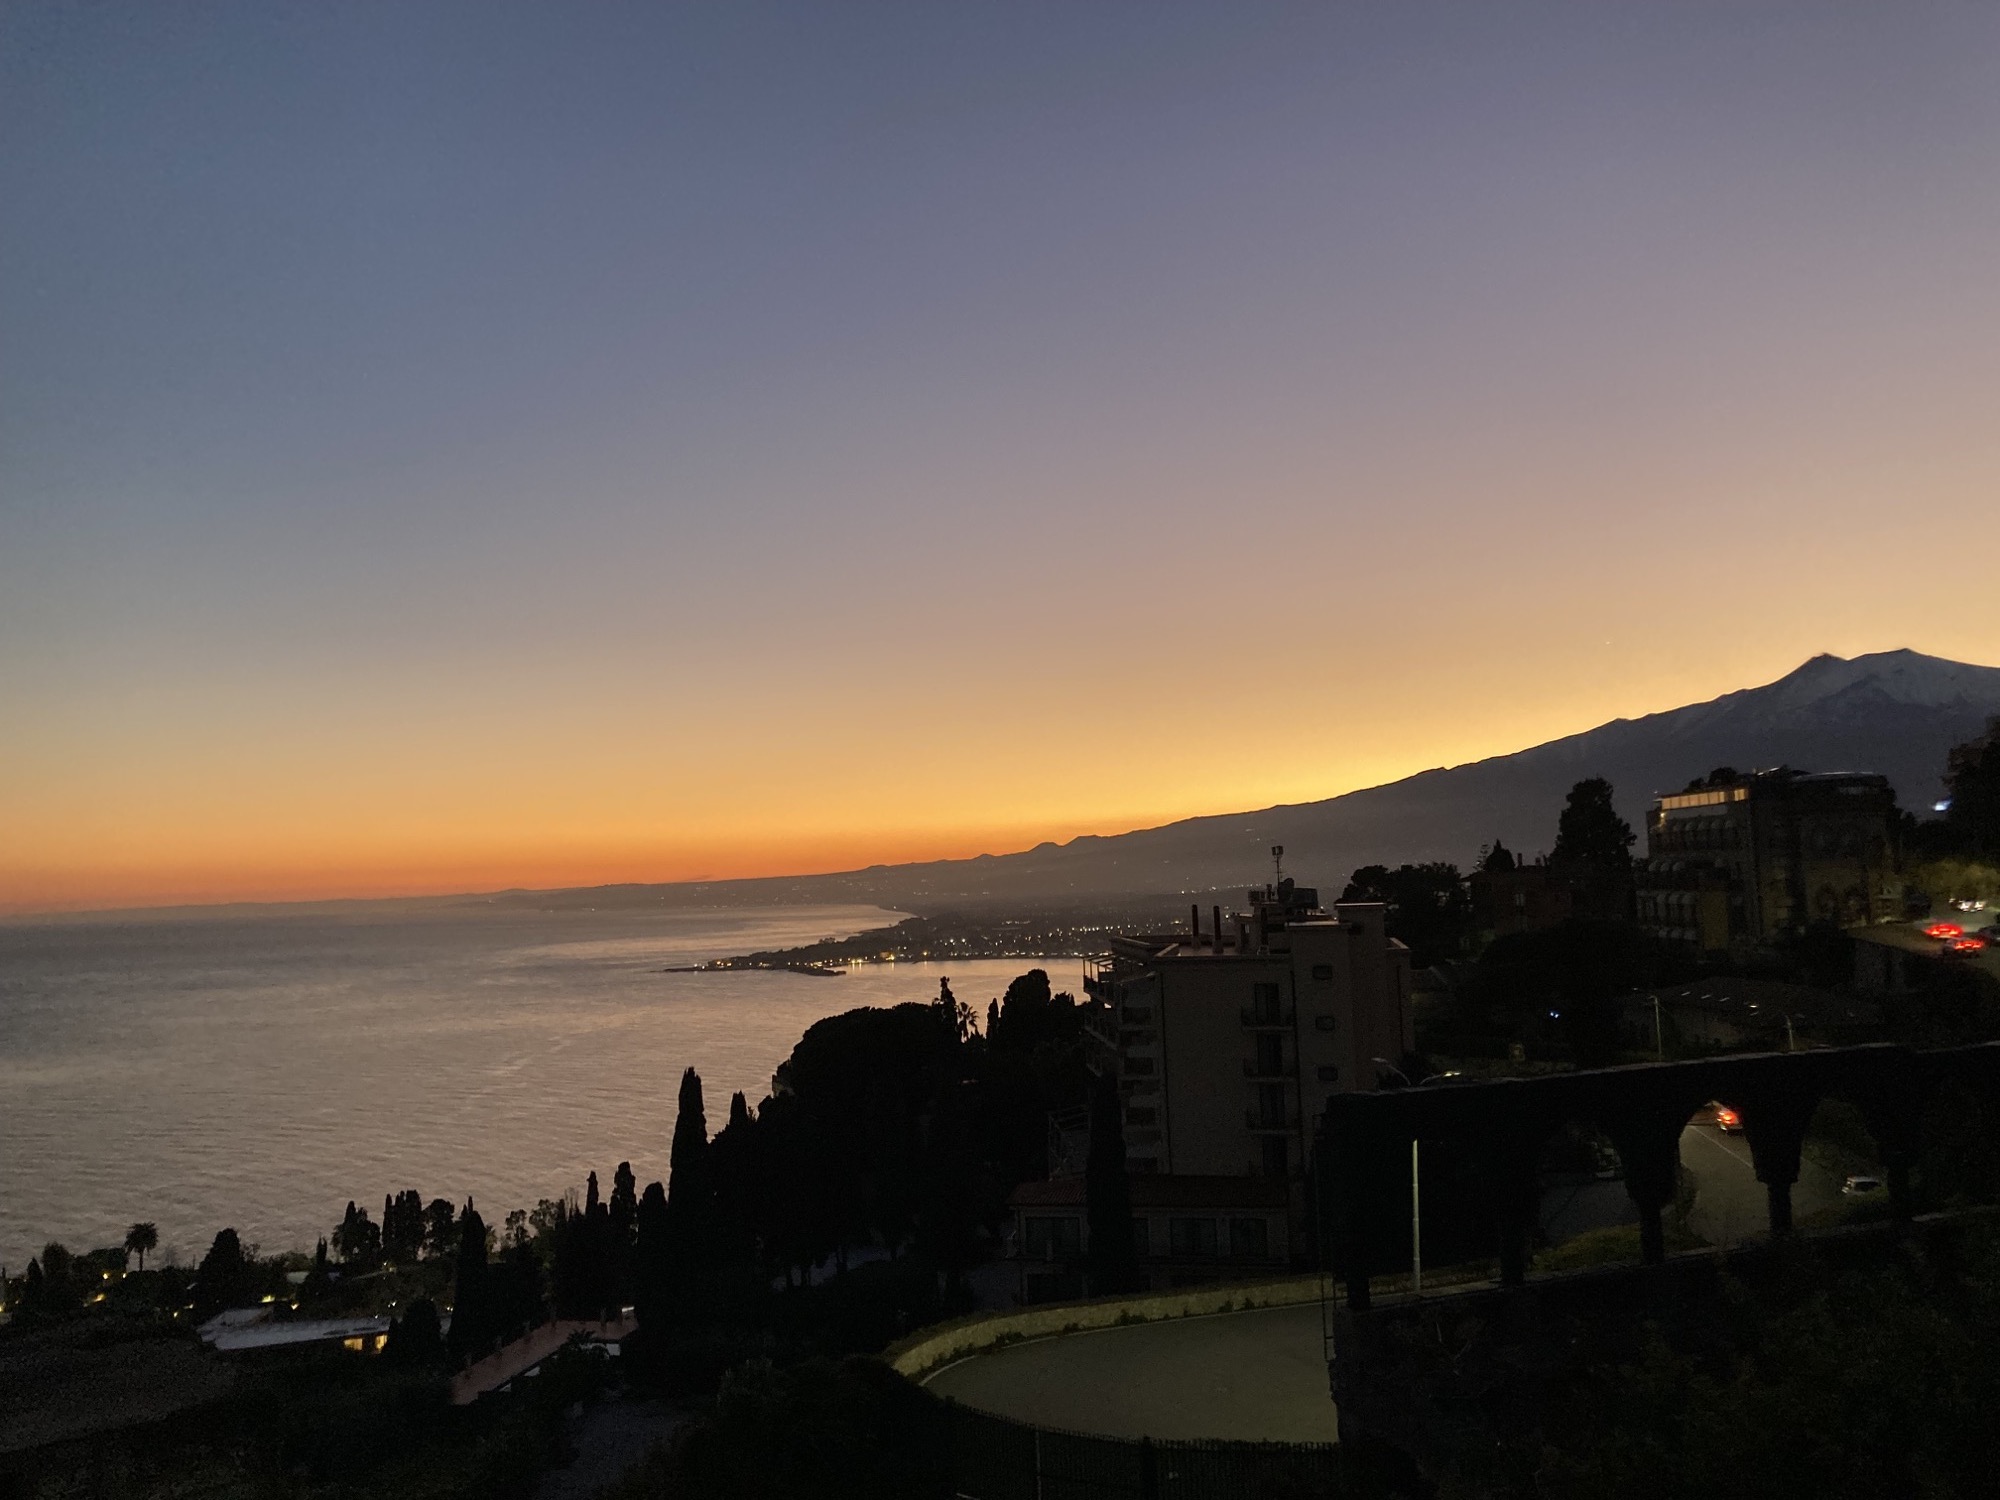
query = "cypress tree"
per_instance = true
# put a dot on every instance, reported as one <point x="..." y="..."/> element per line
<point x="687" y="1182"/>
<point x="472" y="1312"/>
<point x="624" y="1199"/>
<point x="690" y="1200"/>
<point x="652" y="1260"/>
<point x="1112" y="1259"/>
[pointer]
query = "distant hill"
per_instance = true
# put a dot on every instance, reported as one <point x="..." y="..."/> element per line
<point x="1894" y="712"/>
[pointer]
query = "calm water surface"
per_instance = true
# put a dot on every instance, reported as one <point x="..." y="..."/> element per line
<point x="260" y="1071"/>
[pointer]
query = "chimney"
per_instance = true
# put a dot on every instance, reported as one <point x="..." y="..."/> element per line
<point x="1194" y="923"/>
<point x="1218" y="929"/>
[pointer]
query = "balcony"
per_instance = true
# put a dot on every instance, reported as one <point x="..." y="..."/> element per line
<point x="1271" y="1119"/>
<point x="1265" y="1018"/>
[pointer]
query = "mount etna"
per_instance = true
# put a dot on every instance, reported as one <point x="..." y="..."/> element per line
<point x="1892" y="712"/>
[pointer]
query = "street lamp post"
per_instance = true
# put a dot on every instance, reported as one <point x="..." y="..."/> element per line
<point x="1416" y="1228"/>
<point x="1416" y="1215"/>
<point x="1659" y="1044"/>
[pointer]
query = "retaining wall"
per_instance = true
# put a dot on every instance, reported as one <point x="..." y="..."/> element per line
<point x="929" y="1348"/>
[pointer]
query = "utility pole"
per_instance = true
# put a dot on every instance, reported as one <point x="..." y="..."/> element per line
<point x="1791" y="1042"/>
<point x="1659" y="1045"/>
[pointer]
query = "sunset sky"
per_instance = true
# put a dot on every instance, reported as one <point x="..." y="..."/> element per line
<point x="457" y="446"/>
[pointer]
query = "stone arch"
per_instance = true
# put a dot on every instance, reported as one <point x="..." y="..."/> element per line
<point x="1580" y="1185"/>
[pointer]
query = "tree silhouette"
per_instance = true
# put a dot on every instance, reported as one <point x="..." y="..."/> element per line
<point x="440" y="1228"/>
<point x="652" y="1259"/>
<point x="358" y="1239"/>
<point x="403" y="1226"/>
<point x="473" y="1317"/>
<point x="686" y="1182"/>
<point x="1112" y="1260"/>
<point x="624" y="1201"/>
<point x="414" y="1339"/>
<point x="1972" y="777"/>
<point x="1428" y="905"/>
<point x="224" y="1278"/>
<point x="318" y="1284"/>
<point x="141" y="1239"/>
<point x="1497" y="859"/>
<point x="1590" y="835"/>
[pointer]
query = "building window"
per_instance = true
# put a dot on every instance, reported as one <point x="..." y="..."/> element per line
<point x="1142" y="1115"/>
<point x="1264" y="1002"/>
<point x="1141" y="1237"/>
<point x="1323" y="1023"/>
<point x="1139" y="1065"/>
<point x="1322" y="971"/>
<point x="1249" y="1239"/>
<point x="1270" y="1061"/>
<point x="1328" y="1073"/>
<point x="1277" y="1156"/>
<point x="1192" y="1237"/>
<point x="1054" y="1238"/>
<point x="1271" y="1106"/>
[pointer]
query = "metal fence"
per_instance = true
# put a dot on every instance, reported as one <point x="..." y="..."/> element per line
<point x="994" y="1458"/>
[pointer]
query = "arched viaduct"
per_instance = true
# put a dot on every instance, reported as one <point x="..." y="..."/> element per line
<point x="1503" y="1124"/>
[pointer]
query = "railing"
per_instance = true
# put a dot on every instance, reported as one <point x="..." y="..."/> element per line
<point x="1254" y="1016"/>
<point x="1261" y="1119"/>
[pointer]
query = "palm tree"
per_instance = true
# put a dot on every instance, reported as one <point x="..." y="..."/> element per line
<point x="140" y="1238"/>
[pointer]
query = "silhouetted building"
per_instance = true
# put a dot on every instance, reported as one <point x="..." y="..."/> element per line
<point x="1745" y="860"/>
<point x="1535" y="897"/>
<point x="1186" y="1230"/>
<point x="1228" y="1041"/>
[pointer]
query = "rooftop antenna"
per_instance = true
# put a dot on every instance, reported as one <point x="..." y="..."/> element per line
<point x="1278" y="861"/>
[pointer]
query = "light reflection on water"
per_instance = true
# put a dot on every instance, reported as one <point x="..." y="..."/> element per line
<point x="260" y="1071"/>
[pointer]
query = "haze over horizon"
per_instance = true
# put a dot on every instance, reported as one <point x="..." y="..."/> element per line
<point x="480" y="446"/>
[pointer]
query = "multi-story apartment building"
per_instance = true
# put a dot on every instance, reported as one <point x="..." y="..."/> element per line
<point x="1228" y="1040"/>
<point x="1744" y="860"/>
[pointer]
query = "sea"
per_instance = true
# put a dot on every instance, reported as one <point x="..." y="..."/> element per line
<point x="259" y="1069"/>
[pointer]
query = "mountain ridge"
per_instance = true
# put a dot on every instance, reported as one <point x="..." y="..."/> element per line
<point x="1891" y="712"/>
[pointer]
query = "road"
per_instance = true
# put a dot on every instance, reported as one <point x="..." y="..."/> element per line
<point x="1258" y="1375"/>
<point x="1730" y="1203"/>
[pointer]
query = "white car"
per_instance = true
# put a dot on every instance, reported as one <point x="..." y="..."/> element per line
<point x="1860" y="1186"/>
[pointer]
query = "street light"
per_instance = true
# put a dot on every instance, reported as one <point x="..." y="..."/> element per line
<point x="1416" y="1218"/>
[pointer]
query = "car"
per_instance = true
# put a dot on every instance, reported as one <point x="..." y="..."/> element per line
<point x="1860" y="1186"/>
<point x="1944" y="932"/>
<point x="1991" y="933"/>
<point x="1964" y="947"/>
<point x="1727" y="1120"/>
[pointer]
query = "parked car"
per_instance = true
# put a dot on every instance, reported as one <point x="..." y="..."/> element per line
<point x="1727" y="1120"/>
<point x="1860" y="1186"/>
